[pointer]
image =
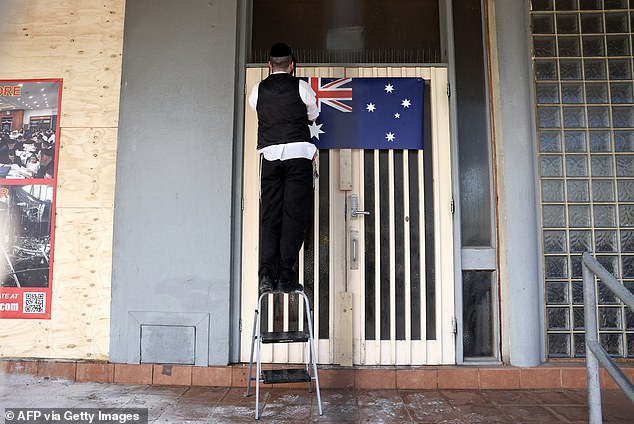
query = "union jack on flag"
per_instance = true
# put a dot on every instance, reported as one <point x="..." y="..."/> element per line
<point x="332" y="93"/>
<point x="383" y="113"/>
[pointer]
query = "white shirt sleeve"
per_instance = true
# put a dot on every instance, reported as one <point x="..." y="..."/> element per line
<point x="253" y="97"/>
<point x="309" y="98"/>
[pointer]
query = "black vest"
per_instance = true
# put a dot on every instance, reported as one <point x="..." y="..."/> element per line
<point x="281" y="112"/>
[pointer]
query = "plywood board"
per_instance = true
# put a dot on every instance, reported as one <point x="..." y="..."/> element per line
<point x="79" y="41"/>
<point x="86" y="169"/>
<point x="80" y="323"/>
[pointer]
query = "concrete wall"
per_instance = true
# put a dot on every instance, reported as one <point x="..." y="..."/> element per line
<point x="519" y="236"/>
<point x="172" y="233"/>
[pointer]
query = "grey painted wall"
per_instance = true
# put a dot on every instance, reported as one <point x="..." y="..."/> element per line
<point x="172" y="232"/>
<point x="520" y="255"/>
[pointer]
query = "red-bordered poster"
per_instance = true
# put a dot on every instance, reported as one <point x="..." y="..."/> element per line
<point x="29" y="148"/>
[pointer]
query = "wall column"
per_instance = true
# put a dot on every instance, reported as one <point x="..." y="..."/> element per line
<point x="172" y="234"/>
<point x="519" y="235"/>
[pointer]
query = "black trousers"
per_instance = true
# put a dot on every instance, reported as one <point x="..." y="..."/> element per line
<point x="286" y="207"/>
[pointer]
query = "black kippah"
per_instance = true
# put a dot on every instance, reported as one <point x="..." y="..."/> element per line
<point x="280" y="50"/>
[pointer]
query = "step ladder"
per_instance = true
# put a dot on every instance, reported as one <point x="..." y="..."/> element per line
<point x="307" y="374"/>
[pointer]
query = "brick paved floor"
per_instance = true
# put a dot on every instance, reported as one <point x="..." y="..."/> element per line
<point x="180" y="404"/>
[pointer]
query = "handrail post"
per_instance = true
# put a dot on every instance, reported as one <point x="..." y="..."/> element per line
<point x="591" y="331"/>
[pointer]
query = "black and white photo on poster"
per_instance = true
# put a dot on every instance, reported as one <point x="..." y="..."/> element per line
<point x="25" y="235"/>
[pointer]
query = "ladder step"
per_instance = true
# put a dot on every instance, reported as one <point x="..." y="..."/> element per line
<point x="285" y="376"/>
<point x="285" y="337"/>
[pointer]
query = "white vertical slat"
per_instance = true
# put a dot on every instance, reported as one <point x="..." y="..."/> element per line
<point x="357" y="277"/>
<point x="316" y="261"/>
<point x="285" y="348"/>
<point x="377" y="256"/>
<point x="317" y="282"/>
<point x="423" y="264"/>
<point x="358" y="285"/>
<point x="297" y="350"/>
<point x="302" y="279"/>
<point x="423" y="358"/>
<point x="406" y="356"/>
<point x="360" y="347"/>
<point x="332" y="244"/>
<point x="392" y="256"/>
<point x="279" y="352"/>
<point x="316" y="270"/>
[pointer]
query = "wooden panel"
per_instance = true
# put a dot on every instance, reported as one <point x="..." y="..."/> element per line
<point x="343" y="329"/>
<point x="80" y="41"/>
<point x="80" y="322"/>
<point x="87" y="162"/>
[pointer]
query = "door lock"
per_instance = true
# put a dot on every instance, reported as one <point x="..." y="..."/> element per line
<point x="354" y="206"/>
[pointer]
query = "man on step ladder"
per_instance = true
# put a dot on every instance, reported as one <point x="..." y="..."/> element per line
<point x="285" y="105"/>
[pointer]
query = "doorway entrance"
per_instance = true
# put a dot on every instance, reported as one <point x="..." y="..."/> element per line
<point x="378" y="262"/>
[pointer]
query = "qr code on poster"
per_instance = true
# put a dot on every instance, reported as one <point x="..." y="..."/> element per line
<point x="34" y="303"/>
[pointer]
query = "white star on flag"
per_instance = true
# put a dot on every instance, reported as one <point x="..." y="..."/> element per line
<point x="397" y="115"/>
<point x="315" y="130"/>
<point x="406" y="103"/>
<point x="389" y="88"/>
<point x="371" y="107"/>
<point x="390" y="136"/>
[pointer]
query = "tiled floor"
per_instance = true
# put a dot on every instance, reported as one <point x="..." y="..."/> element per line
<point x="181" y="404"/>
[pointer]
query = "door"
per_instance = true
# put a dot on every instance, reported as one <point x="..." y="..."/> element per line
<point x="378" y="260"/>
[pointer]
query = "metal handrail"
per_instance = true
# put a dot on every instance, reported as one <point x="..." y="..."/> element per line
<point x="595" y="353"/>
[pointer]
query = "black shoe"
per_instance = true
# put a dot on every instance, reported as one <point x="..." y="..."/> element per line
<point x="266" y="284"/>
<point x="289" y="286"/>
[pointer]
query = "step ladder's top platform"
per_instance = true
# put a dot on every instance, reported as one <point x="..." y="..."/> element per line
<point x="277" y="291"/>
<point x="285" y="337"/>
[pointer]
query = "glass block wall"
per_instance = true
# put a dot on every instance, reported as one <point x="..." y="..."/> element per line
<point x="582" y="61"/>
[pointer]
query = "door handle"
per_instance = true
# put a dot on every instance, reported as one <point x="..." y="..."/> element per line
<point x="354" y="250"/>
<point x="354" y="207"/>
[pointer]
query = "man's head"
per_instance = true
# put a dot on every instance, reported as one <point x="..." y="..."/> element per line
<point x="281" y="58"/>
<point x="45" y="156"/>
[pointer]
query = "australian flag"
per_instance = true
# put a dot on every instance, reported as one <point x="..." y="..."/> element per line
<point x="368" y="113"/>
